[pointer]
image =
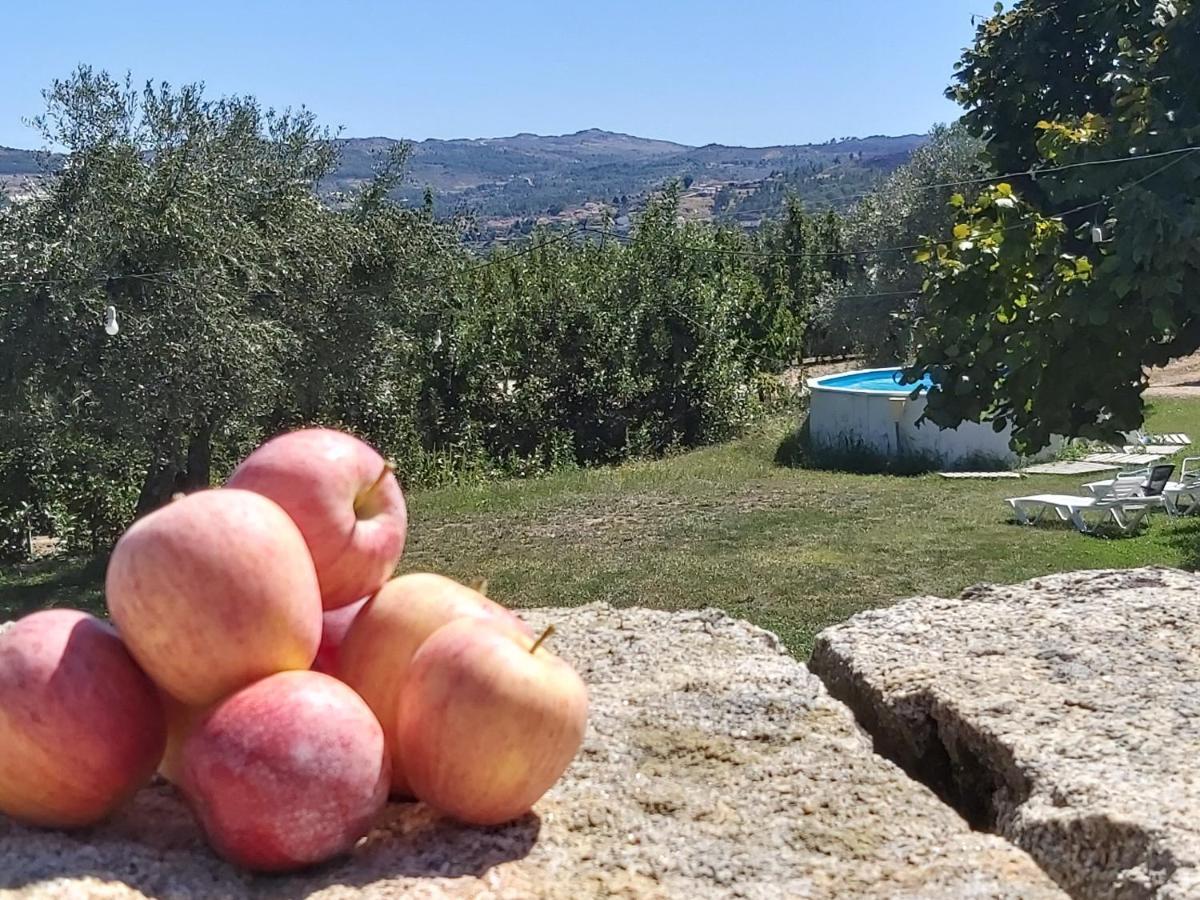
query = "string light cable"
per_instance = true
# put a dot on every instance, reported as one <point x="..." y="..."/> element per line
<point x="1179" y="155"/>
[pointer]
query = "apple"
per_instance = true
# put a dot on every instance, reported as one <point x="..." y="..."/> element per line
<point x="334" y="626"/>
<point x="214" y="591"/>
<point x="181" y="721"/>
<point x="375" y="654"/>
<point x="346" y="501"/>
<point x="81" y="728"/>
<point x="488" y="721"/>
<point x="286" y="773"/>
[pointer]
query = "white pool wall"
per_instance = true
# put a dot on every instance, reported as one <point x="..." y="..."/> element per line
<point x="885" y="422"/>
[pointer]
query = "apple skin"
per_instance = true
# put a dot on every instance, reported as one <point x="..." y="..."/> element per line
<point x="334" y="626"/>
<point x="376" y="652"/>
<point x="485" y="727"/>
<point x="286" y="773"/>
<point x="181" y="721"/>
<point x="214" y="591"/>
<point x="81" y="727"/>
<point x="345" y="500"/>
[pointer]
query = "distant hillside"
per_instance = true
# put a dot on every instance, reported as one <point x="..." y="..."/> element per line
<point x="510" y="183"/>
<point x="20" y="168"/>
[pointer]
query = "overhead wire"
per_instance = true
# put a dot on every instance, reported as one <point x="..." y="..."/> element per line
<point x="1179" y="156"/>
<point x="1032" y="172"/>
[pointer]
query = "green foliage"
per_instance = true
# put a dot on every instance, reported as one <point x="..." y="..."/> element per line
<point x="594" y="352"/>
<point x="803" y="256"/>
<point x="244" y="303"/>
<point x="1030" y="319"/>
<point x="880" y="326"/>
<point x="246" y="306"/>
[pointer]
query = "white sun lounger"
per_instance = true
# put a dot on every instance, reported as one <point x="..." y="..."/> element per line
<point x="1124" y="499"/>
<point x="1180" y="497"/>
<point x="1125" y="512"/>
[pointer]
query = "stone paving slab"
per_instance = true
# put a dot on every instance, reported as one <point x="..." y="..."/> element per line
<point x="715" y="766"/>
<point x="1161" y="449"/>
<point x="1125" y="459"/>
<point x="981" y="475"/>
<point x="1063" y="712"/>
<point x="1068" y="467"/>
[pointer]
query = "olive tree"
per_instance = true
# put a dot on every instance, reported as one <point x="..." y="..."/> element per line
<point x="241" y="300"/>
<point x="874" y="307"/>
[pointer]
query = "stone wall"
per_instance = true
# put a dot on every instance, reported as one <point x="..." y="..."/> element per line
<point x="1064" y="713"/>
<point x="715" y="765"/>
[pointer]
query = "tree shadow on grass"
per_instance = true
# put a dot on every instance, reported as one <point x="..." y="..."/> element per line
<point x="57" y="581"/>
<point x="1105" y="531"/>
<point x="790" y="454"/>
<point x="796" y="451"/>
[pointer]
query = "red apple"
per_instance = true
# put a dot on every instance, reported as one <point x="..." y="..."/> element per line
<point x="346" y="501"/>
<point x="81" y="728"/>
<point x="286" y="773"/>
<point x="181" y="721"/>
<point x="488" y="721"/>
<point x="386" y="633"/>
<point x="334" y="626"/>
<point x="214" y="591"/>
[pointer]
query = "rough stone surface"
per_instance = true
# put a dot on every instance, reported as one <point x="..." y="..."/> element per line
<point x="1063" y="712"/>
<point x="715" y="766"/>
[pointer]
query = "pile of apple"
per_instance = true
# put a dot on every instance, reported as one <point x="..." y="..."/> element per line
<point x="262" y="661"/>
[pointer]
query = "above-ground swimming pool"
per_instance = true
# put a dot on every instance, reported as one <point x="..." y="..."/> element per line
<point x="874" y="380"/>
<point x="870" y="412"/>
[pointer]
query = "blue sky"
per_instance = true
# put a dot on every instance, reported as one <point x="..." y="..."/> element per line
<point x="696" y="71"/>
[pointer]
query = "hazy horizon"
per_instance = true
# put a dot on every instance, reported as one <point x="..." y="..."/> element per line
<point x="518" y="134"/>
<point x="693" y="73"/>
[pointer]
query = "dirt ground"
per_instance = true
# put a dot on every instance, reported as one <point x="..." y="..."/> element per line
<point x="1179" y="378"/>
<point x="817" y="368"/>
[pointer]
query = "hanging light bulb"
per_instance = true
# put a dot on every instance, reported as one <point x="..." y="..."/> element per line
<point x="110" y="321"/>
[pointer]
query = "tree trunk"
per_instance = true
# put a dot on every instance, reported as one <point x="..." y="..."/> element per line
<point x="197" y="473"/>
<point x="158" y="485"/>
<point x="169" y="474"/>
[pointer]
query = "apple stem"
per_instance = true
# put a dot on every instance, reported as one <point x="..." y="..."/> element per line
<point x="545" y="634"/>
<point x="366" y="496"/>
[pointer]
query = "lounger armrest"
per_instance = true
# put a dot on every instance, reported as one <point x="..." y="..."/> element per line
<point x="1184" y="473"/>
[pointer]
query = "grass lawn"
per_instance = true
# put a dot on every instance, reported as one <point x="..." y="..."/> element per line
<point x="792" y="550"/>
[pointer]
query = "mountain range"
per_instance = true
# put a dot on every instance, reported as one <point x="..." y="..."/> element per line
<point x="510" y="183"/>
